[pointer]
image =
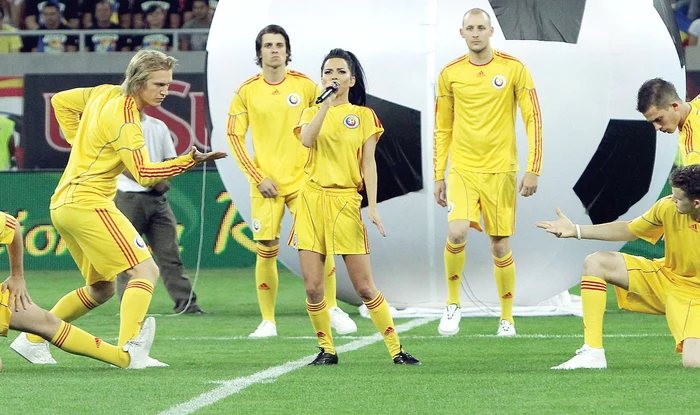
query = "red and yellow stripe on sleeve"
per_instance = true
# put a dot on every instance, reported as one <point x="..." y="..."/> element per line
<point x="537" y="117"/>
<point x="240" y="152"/>
<point x="158" y="172"/>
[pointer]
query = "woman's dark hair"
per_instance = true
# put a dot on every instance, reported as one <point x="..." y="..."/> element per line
<point x="272" y="29"/>
<point x="358" y="92"/>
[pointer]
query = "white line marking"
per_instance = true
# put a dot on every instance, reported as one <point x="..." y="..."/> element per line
<point x="234" y="386"/>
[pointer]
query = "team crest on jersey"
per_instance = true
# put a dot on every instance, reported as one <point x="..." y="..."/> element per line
<point x="140" y="244"/>
<point x="450" y="207"/>
<point x="499" y="81"/>
<point x="293" y="99"/>
<point x="256" y="225"/>
<point x="351" y="121"/>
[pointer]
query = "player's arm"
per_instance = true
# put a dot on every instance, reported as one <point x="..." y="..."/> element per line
<point x="369" y="174"/>
<point x="565" y="228"/>
<point x="68" y="107"/>
<point x="235" y="131"/>
<point x="691" y="150"/>
<point x="530" y="109"/>
<point x="442" y="135"/>
<point x="132" y="151"/>
<point x="310" y="131"/>
<point x="11" y="235"/>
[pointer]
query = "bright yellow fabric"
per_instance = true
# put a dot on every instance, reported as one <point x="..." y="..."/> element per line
<point x="271" y="112"/>
<point x="689" y="135"/>
<point x="493" y="195"/>
<point x="8" y="226"/>
<point x="475" y="114"/>
<point x="104" y="129"/>
<point x="335" y="160"/>
<point x="681" y="239"/>
<point x="655" y="289"/>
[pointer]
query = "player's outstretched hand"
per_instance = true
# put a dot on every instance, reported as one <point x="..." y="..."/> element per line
<point x="561" y="228"/>
<point x="200" y="157"/>
<point x="374" y="217"/>
<point x="440" y="193"/>
<point x="19" y="296"/>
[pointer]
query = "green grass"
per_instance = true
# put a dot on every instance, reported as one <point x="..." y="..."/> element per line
<point x="461" y="374"/>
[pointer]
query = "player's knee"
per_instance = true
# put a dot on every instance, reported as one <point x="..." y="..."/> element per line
<point x="314" y="294"/>
<point x="367" y="292"/>
<point x="596" y="264"/>
<point x="500" y="247"/>
<point x="457" y="234"/>
<point x="102" y="291"/>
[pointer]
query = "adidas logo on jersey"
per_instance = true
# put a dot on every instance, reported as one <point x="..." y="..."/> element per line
<point x="480" y="74"/>
<point x="454" y="277"/>
<point x="507" y="295"/>
<point x="275" y="92"/>
<point x="263" y="286"/>
<point x="694" y="227"/>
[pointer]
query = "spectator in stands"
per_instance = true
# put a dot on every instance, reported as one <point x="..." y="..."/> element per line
<point x="125" y="12"/>
<point x="51" y="18"/>
<point x="201" y="20"/>
<point x="155" y="16"/>
<point x="7" y="142"/>
<point x="8" y="44"/>
<point x="187" y="9"/>
<point x="68" y="10"/>
<point x="11" y="10"/>
<point x="171" y="9"/>
<point x="105" y="42"/>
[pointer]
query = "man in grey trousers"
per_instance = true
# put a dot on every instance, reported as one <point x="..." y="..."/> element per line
<point x="149" y="211"/>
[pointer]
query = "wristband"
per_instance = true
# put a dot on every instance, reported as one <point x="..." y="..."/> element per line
<point x="578" y="232"/>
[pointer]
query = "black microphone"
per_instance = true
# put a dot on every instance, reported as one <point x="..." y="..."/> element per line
<point x="325" y="94"/>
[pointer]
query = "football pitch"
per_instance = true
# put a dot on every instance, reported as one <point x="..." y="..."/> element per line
<point x="216" y="369"/>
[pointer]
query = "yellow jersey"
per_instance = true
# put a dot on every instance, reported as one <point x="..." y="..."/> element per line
<point x="689" y="135"/>
<point x="335" y="161"/>
<point x="681" y="236"/>
<point x="8" y="226"/>
<point x="271" y="111"/>
<point x="475" y="112"/>
<point x="104" y="130"/>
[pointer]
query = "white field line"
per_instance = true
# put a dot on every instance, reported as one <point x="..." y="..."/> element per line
<point x="415" y="337"/>
<point x="234" y="386"/>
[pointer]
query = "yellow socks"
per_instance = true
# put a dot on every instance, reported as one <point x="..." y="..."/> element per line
<point x="381" y="317"/>
<point x="454" y="266"/>
<point x="76" y="341"/>
<point x="504" y="271"/>
<point x="73" y="305"/>
<point x="329" y="283"/>
<point x="135" y="302"/>
<point x="321" y="320"/>
<point x="267" y="280"/>
<point x="593" y="298"/>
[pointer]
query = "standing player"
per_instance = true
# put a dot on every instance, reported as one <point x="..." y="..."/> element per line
<point x="342" y="136"/>
<point x="659" y="102"/>
<point x="18" y="312"/>
<point x="103" y="126"/>
<point x="475" y="127"/>
<point x="271" y="103"/>
<point x="669" y="285"/>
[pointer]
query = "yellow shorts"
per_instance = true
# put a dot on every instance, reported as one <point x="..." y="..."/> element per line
<point x="267" y="214"/>
<point x="329" y="221"/>
<point x="654" y="289"/>
<point x="101" y="240"/>
<point x="5" y="313"/>
<point x="493" y="195"/>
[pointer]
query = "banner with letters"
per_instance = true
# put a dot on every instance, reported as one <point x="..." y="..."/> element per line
<point x="227" y="241"/>
<point x="184" y="113"/>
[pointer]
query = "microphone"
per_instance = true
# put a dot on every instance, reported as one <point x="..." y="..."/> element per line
<point x="325" y="94"/>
